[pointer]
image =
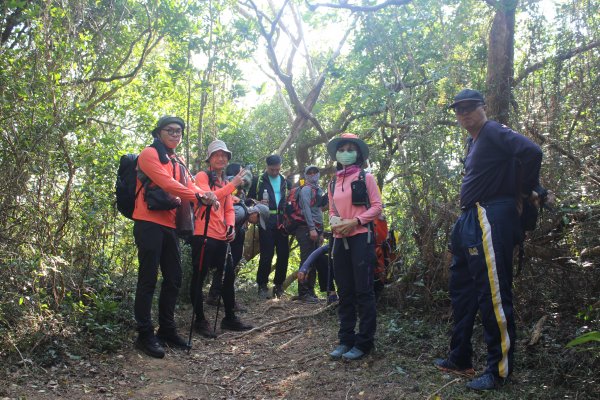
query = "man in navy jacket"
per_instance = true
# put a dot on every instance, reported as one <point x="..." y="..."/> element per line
<point x="272" y="238"/>
<point x="502" y="169"/>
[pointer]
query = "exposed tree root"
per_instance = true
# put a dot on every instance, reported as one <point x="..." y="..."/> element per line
<point x="281" y="321"/>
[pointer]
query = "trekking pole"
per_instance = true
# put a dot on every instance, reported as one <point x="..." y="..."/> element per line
<point x="329" y="268"/>
<point x="228" y="263"/>
<point x="195" y="299"/>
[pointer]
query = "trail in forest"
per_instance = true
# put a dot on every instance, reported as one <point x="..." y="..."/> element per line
<point x="287" y="358"/>
<point x="282" y="360"/>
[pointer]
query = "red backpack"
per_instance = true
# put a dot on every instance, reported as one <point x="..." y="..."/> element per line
<point x="292" y="214"/>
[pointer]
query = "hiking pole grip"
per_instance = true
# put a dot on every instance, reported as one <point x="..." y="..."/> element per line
<point x="196" y="284"/>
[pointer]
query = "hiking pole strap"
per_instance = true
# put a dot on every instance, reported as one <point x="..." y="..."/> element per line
<point x="345" y="241"/>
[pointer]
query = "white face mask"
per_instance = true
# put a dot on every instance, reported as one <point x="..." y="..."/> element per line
<point x="346" y="157"/>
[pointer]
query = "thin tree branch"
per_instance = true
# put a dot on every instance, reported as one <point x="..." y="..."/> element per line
<point x="559" y="57"/>
<point x="313" y="95"/>
<point x="580" y="164"/>
<point x="131" y="74"/>
<point x="493" y="3"/>
<point x="290" y="318"/>
<point x="112" y="91"/>
<point x="309" y="64"/>
<point x="286" y="104"/>
<point x="355" y="8"/>
<point x="283" y="77"/>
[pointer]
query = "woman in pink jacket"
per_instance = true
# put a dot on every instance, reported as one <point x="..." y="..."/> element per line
<point x="355" y="202"/>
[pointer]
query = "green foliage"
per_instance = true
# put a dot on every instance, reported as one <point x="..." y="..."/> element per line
<point x="585" y="338"/>
<point x="102" y="317"/>
<point x="82" y="82"/>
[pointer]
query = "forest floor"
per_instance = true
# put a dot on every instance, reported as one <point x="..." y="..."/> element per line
<point x="286" y="359"/>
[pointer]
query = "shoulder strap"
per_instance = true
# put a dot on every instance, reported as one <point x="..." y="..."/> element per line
<point x="332" y="190"/>
<point x="313" y="195"/>
<point x="185" y="168"/>
<point x="211" y="178"/>
<point x="370" y="226"/>
<point x="332" y="185"/>
<point x="259" y="186"/>
<point x="363" y="177"/>
<point x="140" y="178"/>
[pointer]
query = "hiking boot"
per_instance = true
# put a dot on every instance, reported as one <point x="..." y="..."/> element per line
<point x="277" y="291"/>
<point x="213" y="299"/>
<point x="234" y="324"/>
<point x="487" y="381"/>
<point x="204" y="329"/>
<point x="172" y="338"/>
<point x="353" y="354"/>
<point x="338" y="351"/>
<point x="444" y="364"/>
<point x="263" y="292"/>
<point x="308" y="299"/>
<point x="148" y="343"/>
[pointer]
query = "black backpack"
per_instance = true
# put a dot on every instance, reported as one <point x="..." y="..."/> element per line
<point x="125" y="184"/>
<point x="530" y="215"/>
<point x="360" y="196"/>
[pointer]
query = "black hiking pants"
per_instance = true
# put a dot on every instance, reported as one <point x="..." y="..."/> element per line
<point x="157" y="246"/>
<point x="354" y="277"/>
<point x="215" y="252"/>
<point x="237" y="250"/>
<point x="272" y="239"/>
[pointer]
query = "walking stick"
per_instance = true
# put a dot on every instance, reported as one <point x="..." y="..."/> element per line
<point x="330" y="266"/>
<point x="202" y="248"/>
<point x="228" y="263"/>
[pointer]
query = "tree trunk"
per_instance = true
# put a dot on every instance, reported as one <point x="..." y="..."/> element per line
<point x="500" y="61"/>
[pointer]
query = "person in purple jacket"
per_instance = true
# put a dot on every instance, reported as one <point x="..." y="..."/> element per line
<point x="354" y="202"/>
<point x="502" y="169"/>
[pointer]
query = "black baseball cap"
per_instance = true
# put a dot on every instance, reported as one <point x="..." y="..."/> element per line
<point x="274" y="159"/>
<point x="467" y="95"/>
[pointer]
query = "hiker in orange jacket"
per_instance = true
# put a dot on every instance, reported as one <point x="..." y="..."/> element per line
<point x="155" y="237"/>
<point x="212" y="235"/>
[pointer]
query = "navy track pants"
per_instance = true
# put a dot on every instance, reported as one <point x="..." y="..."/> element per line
<point x="481" y="280"/>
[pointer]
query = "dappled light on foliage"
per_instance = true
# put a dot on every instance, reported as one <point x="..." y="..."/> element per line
<point x="83" y="82"/>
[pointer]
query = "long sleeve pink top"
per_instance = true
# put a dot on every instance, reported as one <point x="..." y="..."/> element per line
<point x="341" y="202"/>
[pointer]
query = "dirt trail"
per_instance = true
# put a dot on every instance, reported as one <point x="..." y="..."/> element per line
<point x="285" y="360"/>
